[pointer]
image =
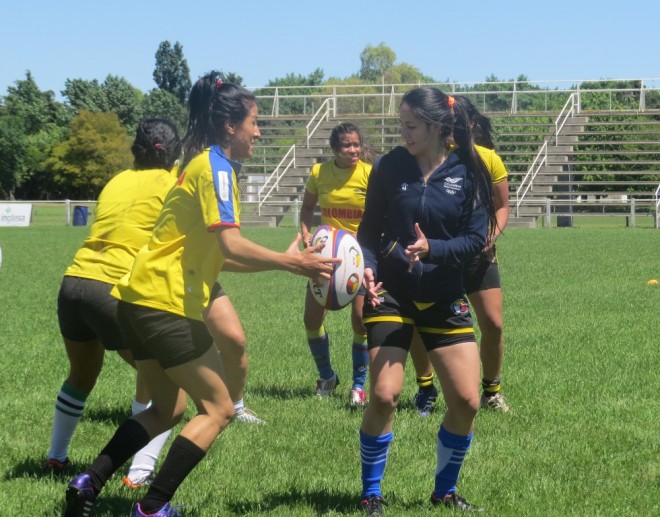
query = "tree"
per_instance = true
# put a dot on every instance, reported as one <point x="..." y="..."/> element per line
<point x="31" y="123"/>
<point x="115" y="95"/>
<point x="375" y="60"/>
<point x="172" y="73"/>
<point x="231" y="77"/>
<point x="162" y="104"/>
<point x="96" y="149"/>
<point x="405" y="73"/>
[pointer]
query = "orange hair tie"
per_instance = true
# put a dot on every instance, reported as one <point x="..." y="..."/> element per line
<point x="450" y="101"/>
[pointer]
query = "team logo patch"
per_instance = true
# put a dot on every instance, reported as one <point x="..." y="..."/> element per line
<point x="223" y="185"/>
<point x="460" y="307"/>
<point x="453" y="185"/>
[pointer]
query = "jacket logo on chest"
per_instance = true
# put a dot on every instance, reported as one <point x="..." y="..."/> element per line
<point x="453" y="185"/>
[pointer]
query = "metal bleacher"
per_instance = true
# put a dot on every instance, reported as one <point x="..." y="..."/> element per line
<point x="565" y="162"/>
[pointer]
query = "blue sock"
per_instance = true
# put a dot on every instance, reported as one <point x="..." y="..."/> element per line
<point x="452" y="449"/>
<point x="360" y="360"/>
<point x="319" y="346"/>
<point x="373" y="455"/>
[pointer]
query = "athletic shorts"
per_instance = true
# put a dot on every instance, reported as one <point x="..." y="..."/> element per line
<point x="86" y="311"/>
<point x="216" y="292"/>
<point x="439" y="324"/>
<point x="169" y="338"/>
<point x="482" y="273"/>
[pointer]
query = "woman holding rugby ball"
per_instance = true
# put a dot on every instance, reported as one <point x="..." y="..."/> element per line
<point x="338" y="186"/>
<point x="163" y="299"/>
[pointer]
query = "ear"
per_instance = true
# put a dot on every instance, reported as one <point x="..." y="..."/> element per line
<point x="229" y="127"/>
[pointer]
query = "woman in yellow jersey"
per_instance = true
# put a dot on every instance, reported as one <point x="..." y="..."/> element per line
<point x="338" y="186"/>
<point x="482" y="284"/>
<point x="169" y="287"/>
<point x="125" y="215"/>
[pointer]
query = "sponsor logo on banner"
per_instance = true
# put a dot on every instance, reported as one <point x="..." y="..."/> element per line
<point x="15" y="214"/>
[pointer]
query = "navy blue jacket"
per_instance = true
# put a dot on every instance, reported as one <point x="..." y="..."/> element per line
<point x="448" y="213"/>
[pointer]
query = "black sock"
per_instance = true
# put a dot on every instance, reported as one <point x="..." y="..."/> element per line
<point x="183" y="456"/>
<point x="129" y="438"/>
<point x="491" y="388"/>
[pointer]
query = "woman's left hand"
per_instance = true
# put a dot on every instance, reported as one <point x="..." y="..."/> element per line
<point x="418" y="249"/>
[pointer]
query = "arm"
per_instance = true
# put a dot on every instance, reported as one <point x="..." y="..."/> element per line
<point x="254" y="257"/>
<point x="238" y="267"/>
<point x="307" y="216"/>
<point x="371" y="226"/>
<point x="501" y="200"/>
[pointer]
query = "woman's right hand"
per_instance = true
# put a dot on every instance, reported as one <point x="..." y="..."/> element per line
<point x="313" y="265"/>
<point x="369" y="283"/>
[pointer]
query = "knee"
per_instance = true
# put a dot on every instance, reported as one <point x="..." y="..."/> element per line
<point x="221" y="414"/>
<point x="384" y="400"/>
<point x="467" y="406"/>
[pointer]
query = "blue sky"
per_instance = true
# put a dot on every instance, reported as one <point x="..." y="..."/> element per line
<point x="262" y="40"/>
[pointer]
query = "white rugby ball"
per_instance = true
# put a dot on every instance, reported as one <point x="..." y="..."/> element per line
<point x="346" y="280"/>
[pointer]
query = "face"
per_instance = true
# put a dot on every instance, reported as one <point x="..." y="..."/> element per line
<point x="419" y="136"/>
<point x="348" y="151"/>
<point x="244" y="136"/>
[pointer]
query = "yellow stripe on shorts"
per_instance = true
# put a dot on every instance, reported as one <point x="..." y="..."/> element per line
<point x="448" y="332"/>
<point x="388" y="318"/>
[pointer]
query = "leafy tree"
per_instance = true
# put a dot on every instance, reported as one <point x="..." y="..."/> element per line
<point x="115" y="95"/>
<point x="172" y="73"/>
<point x="404" y="73"/>
<point x="159" y="103"/>
<point x="231" y="77"/>
<point x="31" y="122"/>
<point x="295" y="105"/>
<point x="375" y="61"/>
<point x="96" y="149"/>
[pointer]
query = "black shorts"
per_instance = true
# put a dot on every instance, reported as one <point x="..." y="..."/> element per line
<point x="482" y="273"/>
<point x="86" y="311"/>
<point x="439" y="324"/>
<point x="169" y="338"/>
<point x="216" y="292"/>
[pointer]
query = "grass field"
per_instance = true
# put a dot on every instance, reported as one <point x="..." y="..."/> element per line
<point x="581" y="375"/>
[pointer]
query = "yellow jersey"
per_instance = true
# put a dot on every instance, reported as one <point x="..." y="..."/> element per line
<point x="340" y="192"/>
<point x="126" y="212"/>
<point x="176" y="270"/>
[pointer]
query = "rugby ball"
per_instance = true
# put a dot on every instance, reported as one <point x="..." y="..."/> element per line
<point x="346" y="279"/>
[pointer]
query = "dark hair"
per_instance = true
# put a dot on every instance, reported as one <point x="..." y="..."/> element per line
<point x="433" y="107"/>
<point x="156" y="145"/>
<point x="482" y="129"/>
<point x="345" y="128"/>
<point x="211" y="103"/>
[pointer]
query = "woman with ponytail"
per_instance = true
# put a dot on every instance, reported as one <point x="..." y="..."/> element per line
<point x="429" y="207"/>
<point x="163" y="300"/>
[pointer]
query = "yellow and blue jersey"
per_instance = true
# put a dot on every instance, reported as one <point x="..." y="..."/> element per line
<point x="176" y="270"/>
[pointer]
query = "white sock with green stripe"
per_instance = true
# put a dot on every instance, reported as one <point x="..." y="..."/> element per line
<point x="69" y="408"/>
<point x="145" y="459"/>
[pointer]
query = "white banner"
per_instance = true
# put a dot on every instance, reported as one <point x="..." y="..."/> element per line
<point x="15" y="214"/>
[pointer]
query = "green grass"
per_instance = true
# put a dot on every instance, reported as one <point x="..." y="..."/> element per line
<point x="581" y="374"/>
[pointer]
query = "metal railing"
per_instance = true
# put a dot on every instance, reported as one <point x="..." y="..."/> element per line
<point x="657" y="207"/>
<point x="497" y="96"/>
<point x="571" y="107"/>
<point x="540" y="160"/>
<point x="267" y="188"/>
<point x="321" y="115"/>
